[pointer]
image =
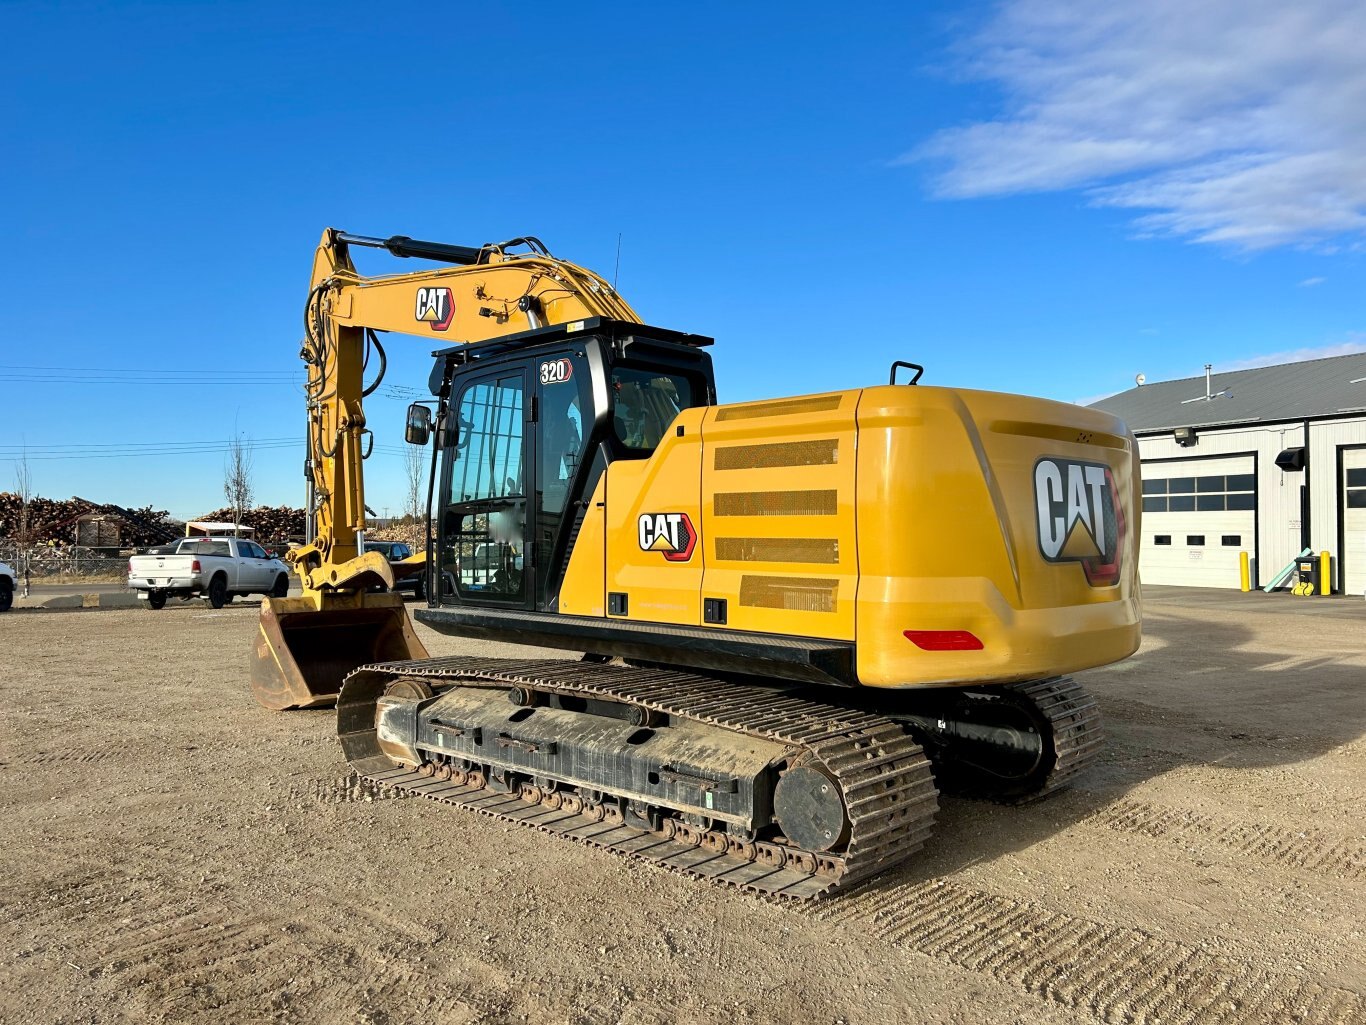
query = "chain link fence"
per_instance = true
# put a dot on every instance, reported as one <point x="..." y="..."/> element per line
<point x="59" y="563"/>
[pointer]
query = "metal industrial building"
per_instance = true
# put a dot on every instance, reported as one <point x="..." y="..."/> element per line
<point x="1269" y="461"/>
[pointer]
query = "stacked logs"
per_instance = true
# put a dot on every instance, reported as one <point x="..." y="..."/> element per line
<point x="55" y="522"/>
<point x="414" y="535"/>
<point x="273" y="524"/>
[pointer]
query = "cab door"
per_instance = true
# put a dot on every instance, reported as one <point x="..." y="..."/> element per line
<point x="484" y="542"/>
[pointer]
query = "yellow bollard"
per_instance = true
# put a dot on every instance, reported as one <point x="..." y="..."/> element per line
<point x="1325" y="569"/>
<point x="1244" y="571"/>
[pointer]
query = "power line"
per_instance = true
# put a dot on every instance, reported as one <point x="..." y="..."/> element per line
<point x="164" y="371"/>
<point x="127" y="382"/>
<point x="135" y="445"/>
<point x="146" y="453"/>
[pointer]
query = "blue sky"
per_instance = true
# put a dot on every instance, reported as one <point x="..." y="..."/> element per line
<point x="1040" y="196"/>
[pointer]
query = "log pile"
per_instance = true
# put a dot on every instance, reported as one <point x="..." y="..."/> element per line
<point x="414" y="535"/>
<point x="273" y="524"/>
<point x="53" y="521"/>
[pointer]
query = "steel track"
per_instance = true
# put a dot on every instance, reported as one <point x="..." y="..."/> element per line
<point x="883" y="774"/>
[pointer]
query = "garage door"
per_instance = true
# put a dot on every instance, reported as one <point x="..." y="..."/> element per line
<point x="1198" y="515"/>
<point x="1354" y="521"/>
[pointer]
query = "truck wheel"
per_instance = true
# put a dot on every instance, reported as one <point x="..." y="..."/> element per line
<point x="156" y="599"/>
<point x="420" y="588"/>
<point x="6" y="595"/>
<point x="281" y="589"/>
<point x="218" y="592"/>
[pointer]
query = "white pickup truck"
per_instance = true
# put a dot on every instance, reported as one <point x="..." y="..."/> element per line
<point x="218" y="568"/>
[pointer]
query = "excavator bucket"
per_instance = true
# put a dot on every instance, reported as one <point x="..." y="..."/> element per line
<point x="306" y="646"/>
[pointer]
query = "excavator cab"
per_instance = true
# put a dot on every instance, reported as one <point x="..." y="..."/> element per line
<point x="528" y="425"/>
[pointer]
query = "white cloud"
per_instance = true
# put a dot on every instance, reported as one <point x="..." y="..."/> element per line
<point x="1312" y="282"/>
<point x="1355" y="343"/>
<point x="1230" y="121"/>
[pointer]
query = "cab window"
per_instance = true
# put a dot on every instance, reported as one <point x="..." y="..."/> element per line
<point x="644" y="404"/>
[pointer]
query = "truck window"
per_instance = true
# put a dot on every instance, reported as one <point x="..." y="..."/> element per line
<point x="644" y="403"/>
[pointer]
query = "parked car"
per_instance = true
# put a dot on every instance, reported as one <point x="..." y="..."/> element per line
<point x="409" y="568"/>
<point x="8" y="581"/>
<point x="219" y="568"/>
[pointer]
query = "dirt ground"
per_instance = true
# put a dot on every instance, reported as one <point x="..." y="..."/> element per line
<point x="173" y="853"/>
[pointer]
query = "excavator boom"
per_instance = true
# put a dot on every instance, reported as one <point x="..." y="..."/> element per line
<point x="348" y="615"/>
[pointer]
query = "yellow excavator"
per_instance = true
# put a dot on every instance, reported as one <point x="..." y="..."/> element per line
<point x="797" y="620"/>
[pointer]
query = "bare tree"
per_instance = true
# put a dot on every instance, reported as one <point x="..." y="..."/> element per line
<point x="414" y="467"/>
<point x="237" y="478"/>
<point x="23" y="487"/>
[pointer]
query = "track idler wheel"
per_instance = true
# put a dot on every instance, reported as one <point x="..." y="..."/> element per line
<point x="810" y="809"/>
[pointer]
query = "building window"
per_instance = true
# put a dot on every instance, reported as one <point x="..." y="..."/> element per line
<point x="1232" y="540"/>
<point x="1195" y="540"/>
<point x="1356" y="488"/>
<point x="1216" y="492"/>
<point x="1162" y="539"/>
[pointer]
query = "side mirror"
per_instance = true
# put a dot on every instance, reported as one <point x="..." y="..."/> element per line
<point x="419" y="424"/>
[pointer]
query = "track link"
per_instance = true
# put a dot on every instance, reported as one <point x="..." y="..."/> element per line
<point x="884" y="776"/>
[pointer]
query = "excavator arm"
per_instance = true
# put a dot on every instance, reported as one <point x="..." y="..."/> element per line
<point x="307" y="645"/>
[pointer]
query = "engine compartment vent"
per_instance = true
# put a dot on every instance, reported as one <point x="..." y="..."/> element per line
<point x="819" y="452"/>
<point x="783" y="407"/>
<point x="775" y="503"/>
<point x="796" y="594"/>
<point x="778" y="549"/>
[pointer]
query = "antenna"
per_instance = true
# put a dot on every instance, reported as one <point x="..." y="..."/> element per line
<point x="616" y="271"/>
<point x="1140" y="379"/>
<point x="1209" y="395"/>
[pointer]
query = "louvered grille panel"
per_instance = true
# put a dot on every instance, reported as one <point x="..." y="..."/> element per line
<point x="819" y="452"/>
<point x="796" y="594"/>
<point x="778" y="549"/>
<point x="775" y="503"/>
<point x="783" y="408"/>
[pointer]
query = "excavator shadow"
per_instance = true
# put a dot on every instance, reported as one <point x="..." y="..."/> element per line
<point x="1207" y="697"/>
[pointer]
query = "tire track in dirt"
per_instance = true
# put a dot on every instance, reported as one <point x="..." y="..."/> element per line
<point x="1310" y="849"/>
<point x="347" y="789"/>
<point x="66" y="756"/>
<point x="1120" y="975"/>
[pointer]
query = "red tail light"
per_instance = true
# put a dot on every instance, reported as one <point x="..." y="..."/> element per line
<point x="944" y="640"/>
<point x="130" y="567"/>
<point x="194" y="568"/>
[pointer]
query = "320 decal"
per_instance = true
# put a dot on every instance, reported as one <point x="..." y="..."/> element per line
<point x="556" y="371"/>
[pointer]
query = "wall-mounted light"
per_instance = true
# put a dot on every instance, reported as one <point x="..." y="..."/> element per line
<point x="1291" y="460"/>
<point x="1185" y="436"/>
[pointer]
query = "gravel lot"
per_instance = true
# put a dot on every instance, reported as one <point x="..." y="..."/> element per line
<point x="173" y="853"/>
